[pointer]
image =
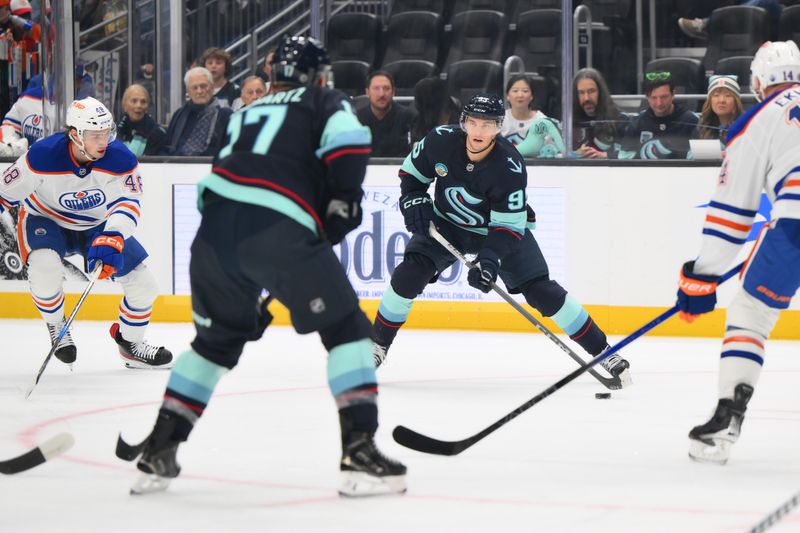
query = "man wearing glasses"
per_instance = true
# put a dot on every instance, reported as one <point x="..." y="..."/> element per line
<point x="663" y="130"/>
<point x="480" y="206"/>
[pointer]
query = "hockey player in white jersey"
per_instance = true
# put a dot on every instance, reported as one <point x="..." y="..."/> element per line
<point x="24" y="124"/>
<point x="79" y="192"/>
<point x="762" y="154"/>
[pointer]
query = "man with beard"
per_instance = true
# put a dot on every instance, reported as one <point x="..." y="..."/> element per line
<point x="389" y="123"/>
<point x="598" y="125"/>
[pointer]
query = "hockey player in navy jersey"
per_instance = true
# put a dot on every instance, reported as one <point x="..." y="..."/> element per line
<point x="762" y="155"/>
<point x="79" y="192"/>
<point x="480" y="206"/>
<point x="282" y="191"/>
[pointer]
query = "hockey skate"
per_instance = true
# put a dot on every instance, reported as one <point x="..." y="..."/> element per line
<point x="140" y="354"/>
<point x="366" y="471"/>
<point x="66" y="352"/>
<point x="618" y="367"/>
<point x="712" y="441"/>
<point x="379" y="352"/>
<point x="158" y="464"/>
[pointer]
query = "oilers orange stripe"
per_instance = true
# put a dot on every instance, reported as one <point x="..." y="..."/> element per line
<point x="71" y="156"/>
<point x="740" y="338"/>
<point x="791" y="183"/>
<point x="753" y="250"/>
<point x="55" y="302"/>
<point x="728" y="223"/>
<point x="744" y="128"/>
<point x="104" y="171"/>
<point x="22" y="242"/>
<point x="132" y="207"/>
<point x="135" y="317"/>
<point x="51" y="213"/>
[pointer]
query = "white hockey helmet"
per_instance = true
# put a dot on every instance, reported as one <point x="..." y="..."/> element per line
<point x="774" y="63"/>
<point x="89" y="114"/>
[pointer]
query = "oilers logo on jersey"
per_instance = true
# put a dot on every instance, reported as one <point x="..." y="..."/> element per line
<point x="33" y="127"/>
<point x="82" y="200"/>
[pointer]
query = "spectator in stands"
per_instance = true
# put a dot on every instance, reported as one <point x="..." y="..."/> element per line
<point x="721" y="109"/>
<point x="389" y="121"/>
<point x="198" y="127"/>
<point x="253" y="88"/>
<point x="137" y="129"/>
<point x="521" y="113"/>
<point x="598" y="125"/>
<point x="663" y="130"/>
<point x="266" y="69"/>
<point x="435" y="107"/>
<point x="218" y="63"/>
<point x="698" y="27"/>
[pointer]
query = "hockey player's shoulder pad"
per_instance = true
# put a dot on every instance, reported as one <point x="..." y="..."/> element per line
<point x="118" y="159"/>
<point x="50" y="155"/>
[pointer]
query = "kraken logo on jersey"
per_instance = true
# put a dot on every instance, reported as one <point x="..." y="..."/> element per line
<point x="82" y="200"/>
<point x="441" y="169"/>
<point x="458" y="198"/>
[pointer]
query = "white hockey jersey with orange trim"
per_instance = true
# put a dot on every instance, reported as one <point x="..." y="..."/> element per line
<point x="47" y="181"/>
<point x="762" y="154"/>
<point x="25" y="118"/>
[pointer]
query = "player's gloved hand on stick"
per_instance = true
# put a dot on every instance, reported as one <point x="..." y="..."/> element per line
<point x="484" y="273"/>
<point x="107" y="248"/>
<point x="697" y="293"/>
<point x="417" y="209"/>
<point x="341" y="217"/>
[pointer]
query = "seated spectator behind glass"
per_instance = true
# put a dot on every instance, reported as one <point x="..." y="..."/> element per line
<point x="253" y="88"/>
<point x="265" y="72"/>
<point x="598" y="125"/>
<point x="663" y="130"/>
<point x="721" y="109"/>
<point x="198" y="126"/>
<point x="137" y="129"/>
<point x="521" y="114"/>
<point x="218" y="63"/>
<point x="389" y="122"/>
<point x="435" y="107"/>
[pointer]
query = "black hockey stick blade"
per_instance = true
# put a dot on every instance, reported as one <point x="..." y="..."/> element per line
<point x="129" y="452"/>
<point x="44" y="452"/>
<point x="611" y="383"/>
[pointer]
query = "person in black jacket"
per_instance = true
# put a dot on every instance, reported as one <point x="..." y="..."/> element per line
<point x="137" y="129"/>
<point x="198" y="127"/>
<point x="663" y="130"/>
<point x="218" y="63"/>
<point x="389" y="122"/>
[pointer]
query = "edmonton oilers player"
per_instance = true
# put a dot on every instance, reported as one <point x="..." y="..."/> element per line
<point x="282" y="191"/>
<point x="762" y="154"/>
<point x="480" y="207"/>
<point x="79" y="192"/>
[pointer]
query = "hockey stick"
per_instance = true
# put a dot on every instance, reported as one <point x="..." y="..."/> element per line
<point x="422" y="443"/>
<point x="776" y="515"/>
<point x="613" y="383"/>
<point x="94" y="277"/>
<point x="44" y="452"/>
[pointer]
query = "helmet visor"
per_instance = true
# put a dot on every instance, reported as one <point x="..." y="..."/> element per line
<point x="105" y="136"/>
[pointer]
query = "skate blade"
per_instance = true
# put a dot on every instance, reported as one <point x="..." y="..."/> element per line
<point x="149" y="483"/>
<point x="718" y="453"/>
<point x="625" y="378"/>
<point x="136" y="365"/>
<point x="361" y="484"/>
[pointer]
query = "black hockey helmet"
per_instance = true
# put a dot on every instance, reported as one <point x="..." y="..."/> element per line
<point x="486" y="106"/>
<point x="300" y="61"/>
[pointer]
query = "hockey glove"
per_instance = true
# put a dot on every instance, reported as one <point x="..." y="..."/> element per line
<point x="417" y="209"/>
<point x="107" y="248"/>
<point x="697" y="293"/>
<point x="341" y="217"/>
<point x="484" y="273"/>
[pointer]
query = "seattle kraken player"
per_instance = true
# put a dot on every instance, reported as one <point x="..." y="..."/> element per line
<point x="479" y="206"/>
<point x="79" y="192"/>
<point x="762" y="154"/>
<point x="285" y="188"/>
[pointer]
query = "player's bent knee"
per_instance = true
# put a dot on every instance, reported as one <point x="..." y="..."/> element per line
<point x="45" y="270"/>
<point x="412" y="275"/>
<point x="748" y="312"/>
<point x="545" y="295"/>
<point x="353" y="327"/>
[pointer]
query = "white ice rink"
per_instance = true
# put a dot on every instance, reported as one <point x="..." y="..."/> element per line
<point x="264" y="457"/>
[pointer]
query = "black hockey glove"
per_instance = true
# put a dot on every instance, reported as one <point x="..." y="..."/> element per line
<point x="417" y="209"/>
<point x="484" y="273"/>
<point x="341" y="217"/>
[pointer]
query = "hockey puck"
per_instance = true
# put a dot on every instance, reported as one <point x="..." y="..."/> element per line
<point x="602" y="395"/>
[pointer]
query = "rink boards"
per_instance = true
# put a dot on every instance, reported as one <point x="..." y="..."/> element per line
<point x="615" y="237"/>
